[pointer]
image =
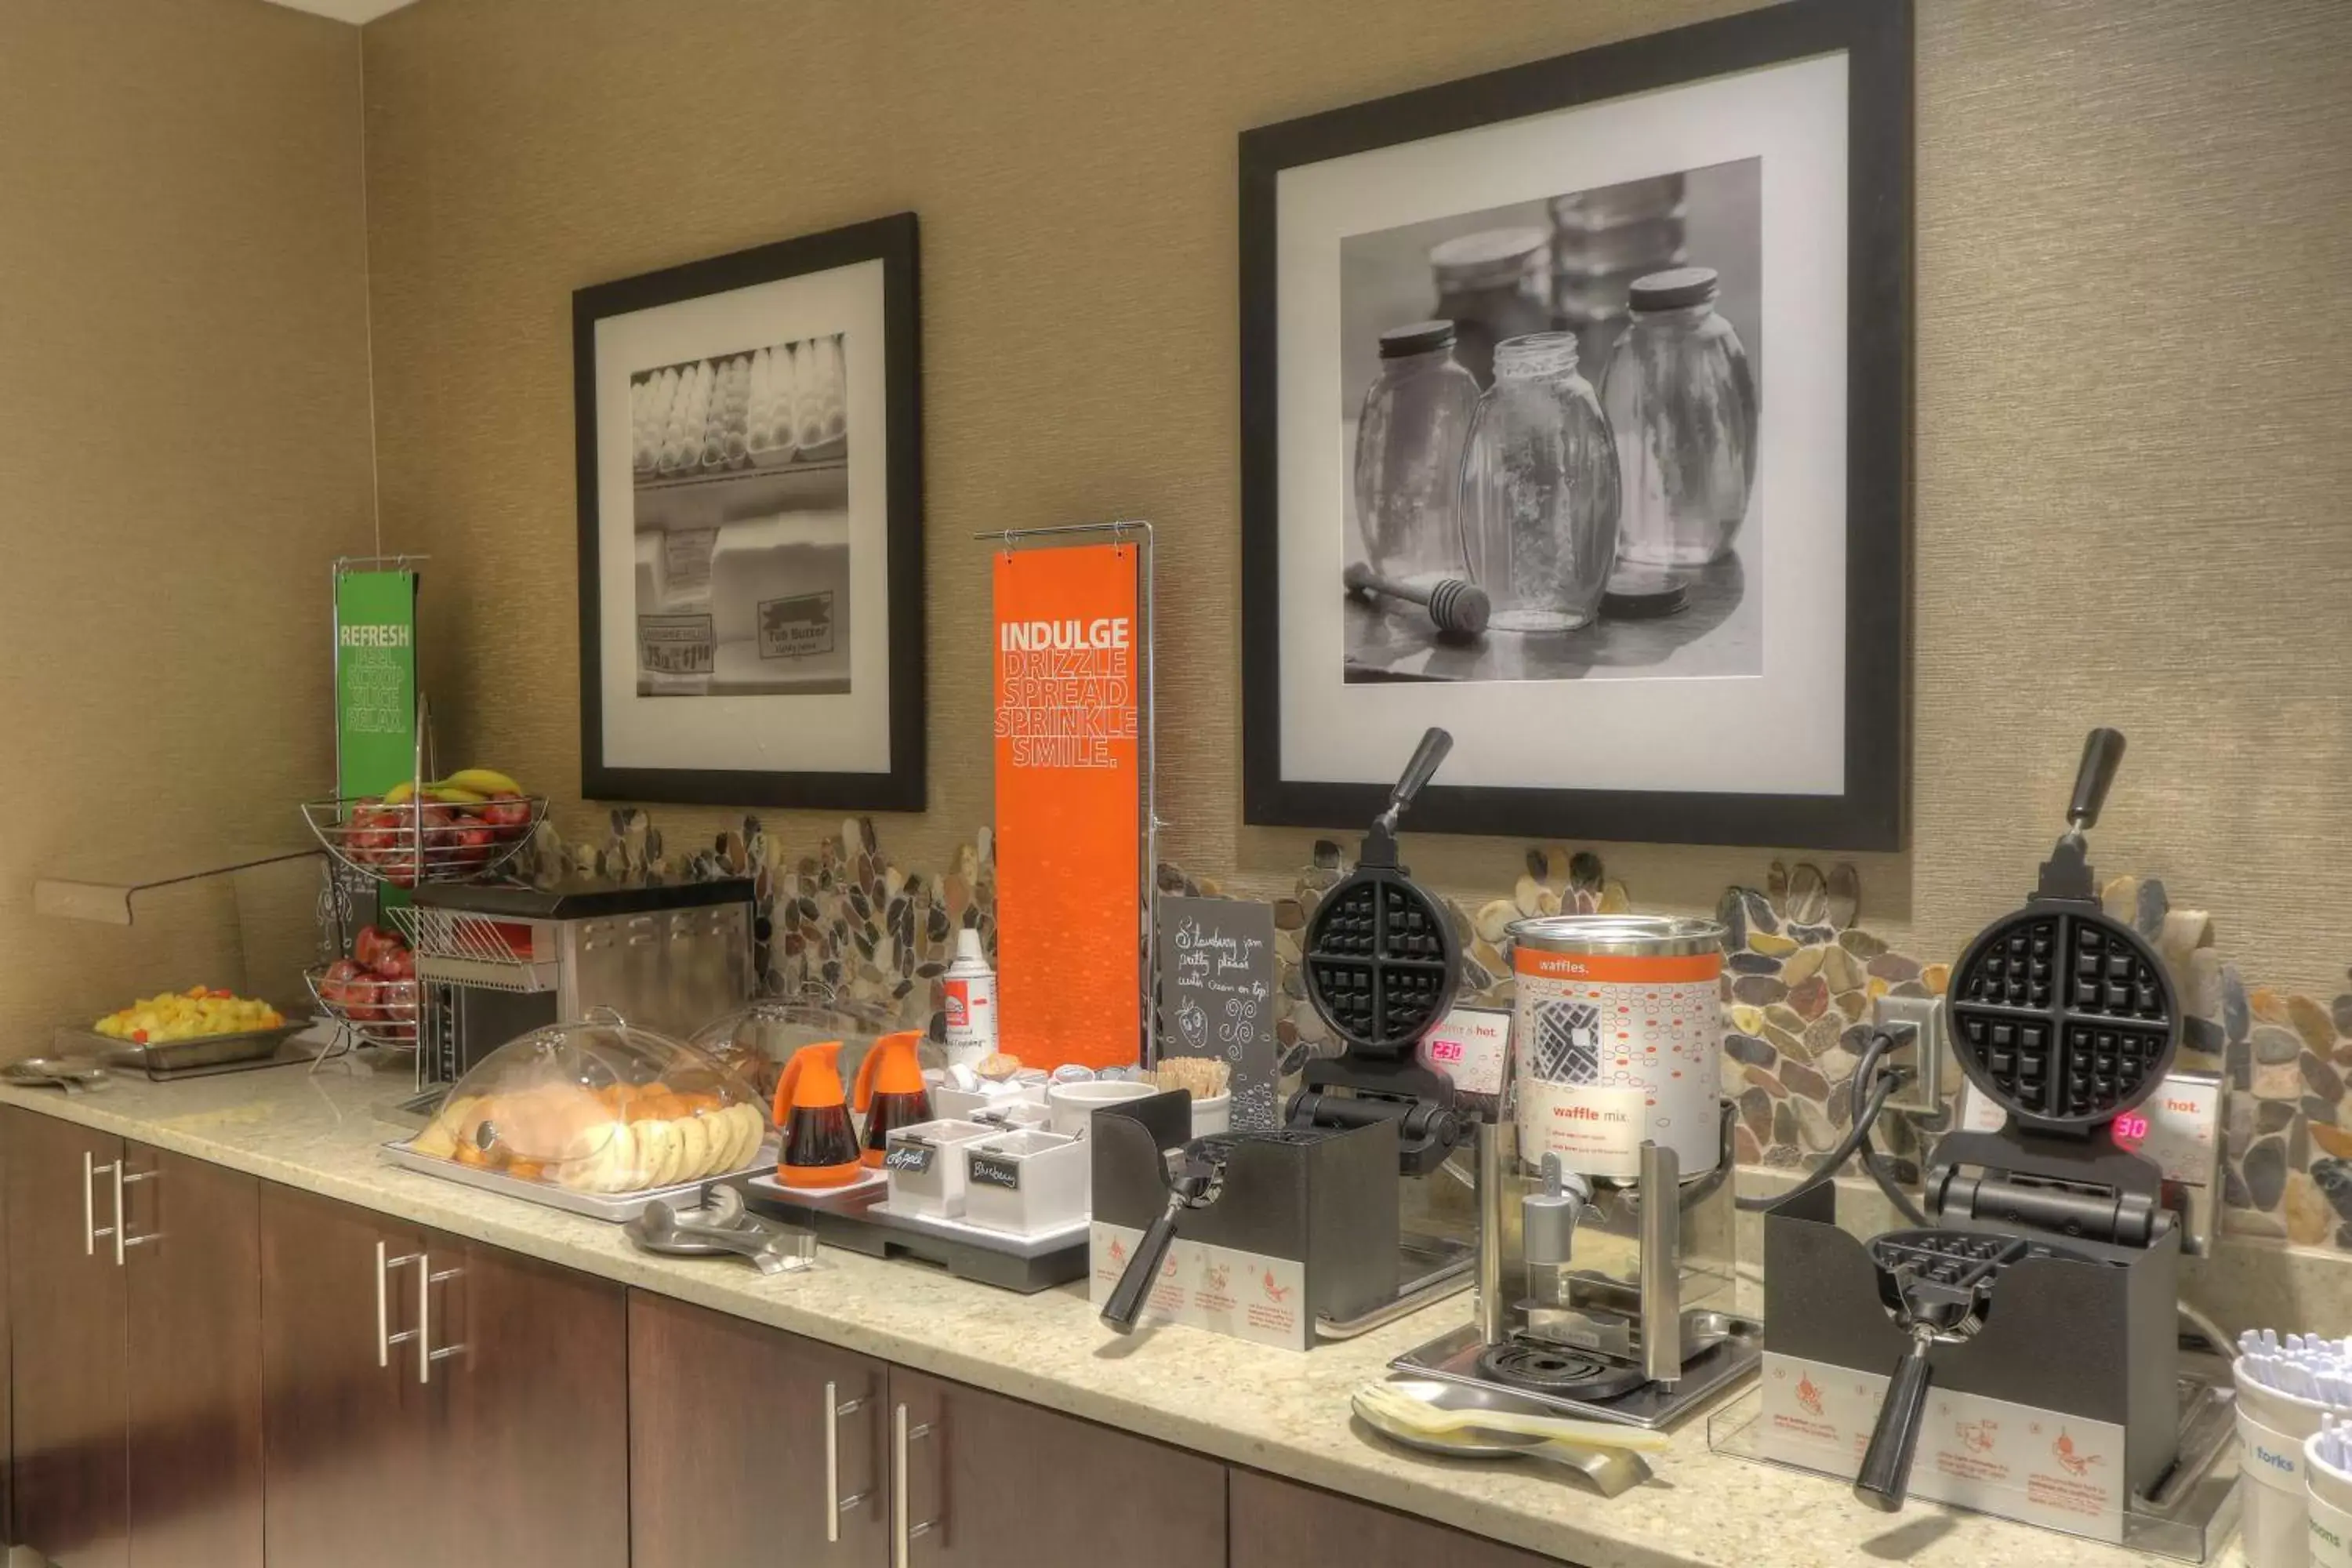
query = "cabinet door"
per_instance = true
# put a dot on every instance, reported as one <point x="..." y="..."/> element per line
<point x="1278" y="1523"/>
<point x="344" y="1418"/>
<point x="734" y="1455"/>
<point x="193" y="1313"/>
<point x="973" y="1480"/>
<point x="66" y="1315"/>
<point x="529" y="1365"/>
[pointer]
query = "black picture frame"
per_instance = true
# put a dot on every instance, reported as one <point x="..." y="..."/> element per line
<point x="1870" y="814"/>
<point x="894" y="242"/>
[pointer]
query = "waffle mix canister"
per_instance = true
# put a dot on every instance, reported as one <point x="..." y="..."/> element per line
<point x="1619" y="1035"/>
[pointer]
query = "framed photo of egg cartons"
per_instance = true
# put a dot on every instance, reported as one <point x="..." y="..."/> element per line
<point x="750" y="434"/>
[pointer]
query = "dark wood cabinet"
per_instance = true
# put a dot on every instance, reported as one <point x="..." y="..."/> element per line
<point x="345" y="1414"/>
<point x="532" y="1421"/>
<point x="743" y="1439"/>
<point x="134" y="1329"/>
<point x="64" y="1309"/>
<point x="977" y="1465"/>
<point x="428" y="1397"/>
<point x="208" y="1371"/>
<point x="1277" y="1523"/>
<point x="192" y="1359"/>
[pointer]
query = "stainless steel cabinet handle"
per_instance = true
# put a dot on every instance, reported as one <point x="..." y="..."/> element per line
<point x="426" y="1354"/>
<point x="385" y="1338"/>
<point x="90" y="1229"/>
<point x="122" y="1236"/>
<point x="902" y="1532"/>
<point x="835" y="1505"/>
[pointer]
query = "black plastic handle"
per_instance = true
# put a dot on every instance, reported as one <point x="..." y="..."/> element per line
<point x="1432" y="751"/>
<point x="1126" y="1301"/>
<point x="2103" y="753"/>
<point x="1886" y="1474"/>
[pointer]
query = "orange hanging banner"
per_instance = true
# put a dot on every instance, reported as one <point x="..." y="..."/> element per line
<point x="1069" y="875"/>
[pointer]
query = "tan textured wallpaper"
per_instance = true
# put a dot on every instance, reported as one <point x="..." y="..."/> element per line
<point x="2133" y="218"/>
<point x="183" y="447"/>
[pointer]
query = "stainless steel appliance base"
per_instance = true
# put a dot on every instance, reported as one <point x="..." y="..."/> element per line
<point x="1458" y="1357"/>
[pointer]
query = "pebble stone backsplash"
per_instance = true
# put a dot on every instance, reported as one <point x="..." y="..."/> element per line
<point x="841" y="918"/>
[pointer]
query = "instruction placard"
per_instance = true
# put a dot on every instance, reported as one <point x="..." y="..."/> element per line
<point x="1216" y="997"/>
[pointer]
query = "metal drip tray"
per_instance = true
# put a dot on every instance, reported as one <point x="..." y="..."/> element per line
<point x="1584" y="1383"/>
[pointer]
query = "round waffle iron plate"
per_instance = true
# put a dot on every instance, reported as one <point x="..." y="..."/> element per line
<point x="2064" y="1016"/>
<point x="1382" y="960"/>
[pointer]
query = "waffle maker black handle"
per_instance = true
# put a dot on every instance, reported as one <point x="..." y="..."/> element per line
<point x="1886" y="1474"/>
<point x="1125" y="1301"/>
<point x="1426" y="756"/>
<point x="2103" y="753"/>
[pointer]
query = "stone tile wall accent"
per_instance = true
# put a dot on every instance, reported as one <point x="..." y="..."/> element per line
<point x="842" y="919"/>
<point x="1800" y="973"/>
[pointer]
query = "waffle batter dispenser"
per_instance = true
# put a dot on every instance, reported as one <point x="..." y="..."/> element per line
<point x="1608" y="1297"/>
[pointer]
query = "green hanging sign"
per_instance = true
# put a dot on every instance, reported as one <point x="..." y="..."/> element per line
<point x="375" y="680"/>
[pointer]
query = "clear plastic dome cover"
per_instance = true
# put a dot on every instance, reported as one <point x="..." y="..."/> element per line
<point x="598" y="1105"/>
<point x="755" y="1042"/>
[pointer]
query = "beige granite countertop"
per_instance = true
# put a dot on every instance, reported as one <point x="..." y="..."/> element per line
<point x="1273" y="1410"/>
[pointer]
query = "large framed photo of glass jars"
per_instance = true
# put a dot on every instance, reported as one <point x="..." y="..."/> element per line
<point x="1575" y="419"/>
<point x="751" y="477"/>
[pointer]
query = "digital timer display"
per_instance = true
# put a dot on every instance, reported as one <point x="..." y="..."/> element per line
<point x="2130" y="1130"/>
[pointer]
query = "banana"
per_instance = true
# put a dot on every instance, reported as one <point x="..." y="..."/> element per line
<point x="401" y="794"/>
<point x="449" y="795"/>
<point x="484" y="782"/>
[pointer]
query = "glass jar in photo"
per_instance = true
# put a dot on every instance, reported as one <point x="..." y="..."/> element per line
<point x="1539" y="490"/>
<point x="1682" y="400"/>
<point x="1409" y="441"/>
<point x="1492" y="285"/>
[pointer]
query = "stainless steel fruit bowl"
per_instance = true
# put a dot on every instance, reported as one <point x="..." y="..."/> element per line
<point x="420" y="840"/>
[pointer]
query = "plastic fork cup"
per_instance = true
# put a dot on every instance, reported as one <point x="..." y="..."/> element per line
<point x="2328" y="1496"/>
<point x="2273" y="1494"/>
<point x="1072" y="1105"/>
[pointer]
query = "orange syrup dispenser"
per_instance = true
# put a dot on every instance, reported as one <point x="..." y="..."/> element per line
<point x="890" y="1093"/>
<point x="820" y="1148"/>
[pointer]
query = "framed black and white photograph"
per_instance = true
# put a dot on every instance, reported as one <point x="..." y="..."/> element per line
<point x="750" y="527"/>
<point x="1575" y="420"/>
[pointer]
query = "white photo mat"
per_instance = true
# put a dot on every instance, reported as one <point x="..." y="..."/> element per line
<point x="1780" y="733"/>
<point x="843" y="732"/>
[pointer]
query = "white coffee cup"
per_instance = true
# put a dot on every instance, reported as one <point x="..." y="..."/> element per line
<point x="1071" y="1106"/>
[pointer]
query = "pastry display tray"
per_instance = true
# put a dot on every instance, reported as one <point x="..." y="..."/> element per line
<point x="617" y="1207"/>
<point x="859" y="1219"/>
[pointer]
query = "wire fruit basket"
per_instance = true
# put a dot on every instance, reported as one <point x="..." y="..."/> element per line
<point x="374" y="1010"/>
<point x="419" y="840"/>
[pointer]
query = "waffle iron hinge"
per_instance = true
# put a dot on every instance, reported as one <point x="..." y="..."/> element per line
<point x="2112" y="1197"/>
<point x="1355" y="1091"/>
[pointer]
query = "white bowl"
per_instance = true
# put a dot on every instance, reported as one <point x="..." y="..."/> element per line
<point x="1026" y="1182"/>
<point x="925" y="1168"/>
<point x="1073" y="1105"/>
<point x="1215" y="1115"/>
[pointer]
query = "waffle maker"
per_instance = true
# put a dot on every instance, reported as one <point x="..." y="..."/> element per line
<point x="1381" y="962"/>
<point x="2048" y="1275"/>
<point x="2066" y="1018"/>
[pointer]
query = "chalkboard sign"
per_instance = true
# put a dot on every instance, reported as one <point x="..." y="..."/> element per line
<point x="1216" y="997"/>
<point x="991" y="1172"/>
<point x="912" y="1157"/>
